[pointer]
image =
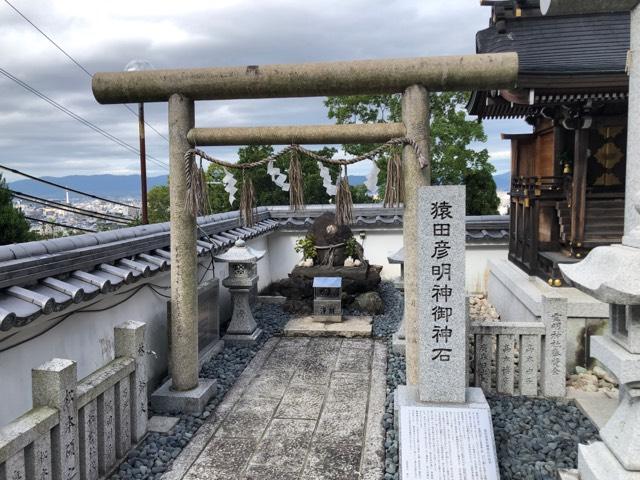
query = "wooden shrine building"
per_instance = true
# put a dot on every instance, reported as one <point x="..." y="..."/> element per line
<point x="567" y="176"/>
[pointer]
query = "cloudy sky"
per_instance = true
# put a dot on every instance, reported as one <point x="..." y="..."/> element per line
<point x="105" y="35"/>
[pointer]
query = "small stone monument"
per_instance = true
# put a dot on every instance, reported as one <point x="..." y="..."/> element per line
<point x="327" y="299"/>
<point x="242" y="262"/>
<point x="445" y="427"/>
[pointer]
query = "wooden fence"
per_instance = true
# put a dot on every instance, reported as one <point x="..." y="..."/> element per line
<point x="80" y="429"/>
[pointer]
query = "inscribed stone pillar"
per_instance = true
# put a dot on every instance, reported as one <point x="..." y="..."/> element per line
<point x="54" y="385"/>
<point x="129" y="342"/>
<point x="442" y="329"/>
<point x="554" y="370"/>
<point x="415" y="116"/>
<point x="183" y="357"/>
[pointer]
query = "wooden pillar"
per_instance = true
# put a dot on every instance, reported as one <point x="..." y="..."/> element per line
<point x="579" y="187"/>
<point x="415" y="116"/>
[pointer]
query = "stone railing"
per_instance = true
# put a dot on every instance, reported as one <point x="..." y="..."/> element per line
<point x="80" y="429"/>
<point x="540" y="359"/>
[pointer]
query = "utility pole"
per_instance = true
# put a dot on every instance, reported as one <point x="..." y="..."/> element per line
<point x="139" y="66"/>
<point x="143" y="164"/>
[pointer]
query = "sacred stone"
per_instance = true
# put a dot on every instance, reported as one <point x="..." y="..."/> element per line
<point x="442" y="334"/>
<point x="329" y="239"/>
<point x="447" y="444"/>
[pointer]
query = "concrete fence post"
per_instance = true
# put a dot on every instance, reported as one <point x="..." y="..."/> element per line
<point x="129" y="342"/>
<point x="54" y="385"/>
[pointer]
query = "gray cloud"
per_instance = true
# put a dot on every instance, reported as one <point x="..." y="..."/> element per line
<point x="104" y="36"/>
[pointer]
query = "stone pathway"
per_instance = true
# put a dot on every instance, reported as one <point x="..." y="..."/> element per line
<point x="305" y="408"/>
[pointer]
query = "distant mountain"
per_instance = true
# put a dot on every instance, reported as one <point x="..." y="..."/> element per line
<point x="503" y="181"/>
<point x="128" y="186"/>
<point x="109" y="186"/>
<point x="357" y="179"/>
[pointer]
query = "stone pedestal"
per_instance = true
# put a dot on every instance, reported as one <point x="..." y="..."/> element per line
<point x="596" y="462"/>
<point x="165" y="399"/>
<point x="243" y="329"/>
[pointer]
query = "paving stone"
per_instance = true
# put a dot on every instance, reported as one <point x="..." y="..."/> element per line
<point x="261" y="472"/>
<point x="249" y="418"/>
<point x="333" y="461"/>
<point x="318" y="362"/>
<point x="302" y="401"/>
<point x="357" y="343"/>
<point x="348" y="387"/>
<point x="356" y="326"/>
<point x="223" y="458"/>
<point x="354" y="360"/>
<point x="269" y="384"/>
<point x="161" y="424"/>
<point x="284" y="445"/>
<point x="342" y="421"/>
<point x="287" y="355"/>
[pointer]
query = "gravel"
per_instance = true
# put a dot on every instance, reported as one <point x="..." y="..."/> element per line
<point x="534" y="436"/>
<point x="157" y="451"/>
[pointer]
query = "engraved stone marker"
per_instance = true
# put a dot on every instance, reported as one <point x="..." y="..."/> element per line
<point x="554" y="316"/>
<point x="447" y="444"/>
<point x="441" y="294"/>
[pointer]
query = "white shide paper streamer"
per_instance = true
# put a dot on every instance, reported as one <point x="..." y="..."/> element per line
<point x="327" y="183"/>
<point x="229" y="185"/>
<point x="279" y="178"/>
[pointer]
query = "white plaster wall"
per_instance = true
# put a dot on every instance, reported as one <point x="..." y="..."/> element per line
<point x="87" y="337"/>
<point x="477" y="265"/>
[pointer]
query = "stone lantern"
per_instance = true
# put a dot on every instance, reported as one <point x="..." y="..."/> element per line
<point x="242" y="260"/>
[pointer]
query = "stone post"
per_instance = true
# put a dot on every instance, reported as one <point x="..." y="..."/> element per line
<point x="415" y="116"/>
<point x="632" y="178"/>
<point x="129" y="342"/>
<point x="54" y="386"/>
<point x="554" y="364"/>
<point x="183" y="357"/>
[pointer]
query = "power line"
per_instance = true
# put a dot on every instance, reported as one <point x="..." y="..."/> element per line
<point x="47" y="182"/>
<point x="70" y="208"/>
<point x="78" y="64"/>
<point x="77" y="117"/>
<point x="60" y="224"/>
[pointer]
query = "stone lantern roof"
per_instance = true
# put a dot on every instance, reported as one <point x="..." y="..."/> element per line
<point x="240" y="253"/>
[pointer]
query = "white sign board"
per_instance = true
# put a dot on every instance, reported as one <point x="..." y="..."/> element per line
<point x="447" y="444"/>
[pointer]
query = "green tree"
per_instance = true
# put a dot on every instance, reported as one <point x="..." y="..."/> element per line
<point x="267" y="192"/>
<point x="360" y="194"/>
<point x="158" y="204"/>
<point x="15" y="228"/>
<point x="453" y="161"/>
<point x="218" y="198"/>
<point x="482" y="198"/>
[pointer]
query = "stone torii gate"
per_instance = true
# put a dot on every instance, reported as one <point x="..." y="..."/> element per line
<point x="413" y="77"/>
